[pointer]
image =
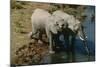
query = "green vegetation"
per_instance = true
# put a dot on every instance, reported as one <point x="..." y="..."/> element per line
<point x="17" y="5"/>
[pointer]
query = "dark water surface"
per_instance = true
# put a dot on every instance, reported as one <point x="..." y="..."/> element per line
<point x="79" y="52"/>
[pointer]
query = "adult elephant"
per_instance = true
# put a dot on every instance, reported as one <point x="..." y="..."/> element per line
<point x="71" y="27"/>
<point x="42" y="20"/>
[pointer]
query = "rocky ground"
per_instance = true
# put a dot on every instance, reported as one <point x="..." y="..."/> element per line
<point x="31" y="53"/>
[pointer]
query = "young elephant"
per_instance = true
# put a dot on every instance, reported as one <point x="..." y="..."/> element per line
<point x="74" y="26"/>
<point x="42" y="20"/>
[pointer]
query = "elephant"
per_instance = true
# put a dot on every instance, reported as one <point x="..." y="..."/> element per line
<point x="42" y="20"/>
<point x="71" y="27"/>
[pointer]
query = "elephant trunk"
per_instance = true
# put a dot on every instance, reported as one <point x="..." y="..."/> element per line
<point x="83" y="37"/>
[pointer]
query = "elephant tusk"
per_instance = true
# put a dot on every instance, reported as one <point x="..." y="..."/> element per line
<point x="86" y="37"/>
<point x="81" y="38"/>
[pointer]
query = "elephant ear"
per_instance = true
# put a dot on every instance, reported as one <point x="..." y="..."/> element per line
<point x="51" y="25"/>
<point x="53" y="28"/>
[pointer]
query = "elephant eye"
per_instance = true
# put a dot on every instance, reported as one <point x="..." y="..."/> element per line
<point x="57" y="24"/>
<point x="62" y="24"/>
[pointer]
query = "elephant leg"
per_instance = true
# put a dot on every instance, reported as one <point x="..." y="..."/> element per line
<point x="35" y="33"/>
<point x="50" y="38"/>
<point x="67" y="44"/>
<point x="57" y="42"/>
<point x="72" y="48"/>
<point x="51" y="44"/>
<point x="73" y="44"/>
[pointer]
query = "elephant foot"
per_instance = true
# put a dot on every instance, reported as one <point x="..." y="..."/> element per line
<point x="29" y="35"/>
<point x="51" y="52"/>
<point x="40" y="42"/>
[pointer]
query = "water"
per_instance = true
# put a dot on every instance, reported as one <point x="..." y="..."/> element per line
<point x="79" y="54"/>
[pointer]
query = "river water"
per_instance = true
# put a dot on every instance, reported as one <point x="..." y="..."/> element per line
<point x="79" y="50"/>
